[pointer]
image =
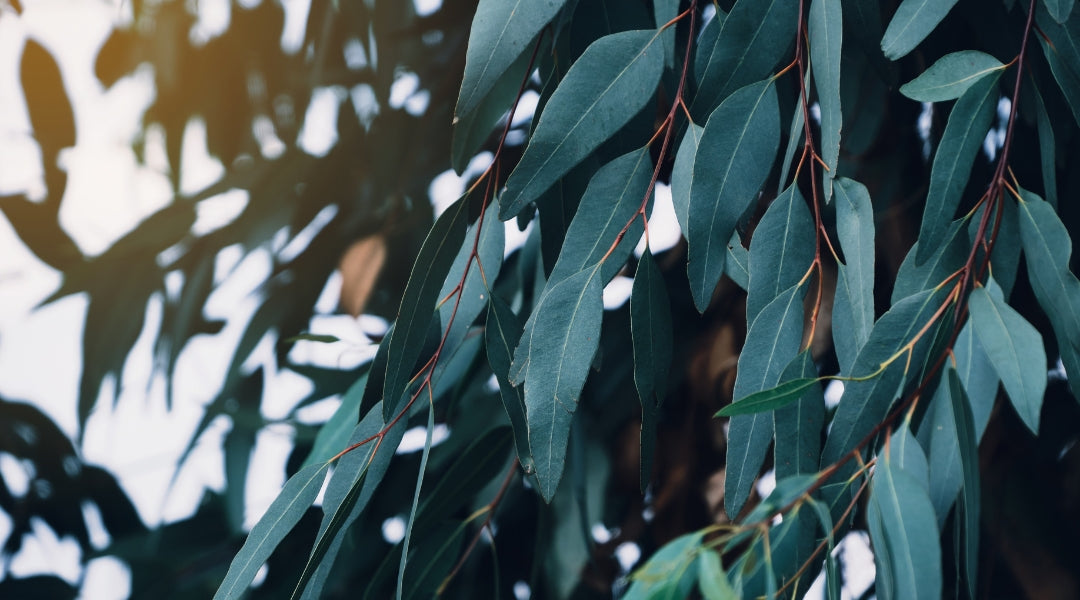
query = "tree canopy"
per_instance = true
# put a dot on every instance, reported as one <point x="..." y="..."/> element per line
<point x="871" y="322"/>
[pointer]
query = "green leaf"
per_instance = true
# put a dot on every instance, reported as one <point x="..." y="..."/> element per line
<point x="798" y="426"/>
<point x="737" y="262"/>
<point x="712" y="580"/>
<point x="1047" y="249"/>
<point x="415" y="501"/>
<point x="951" y="76"/>
<point x="913" y="21"/>
<point x="937" y="434"/>
<point x="429" y="271"/>
<point x="969" y="121"/>
<point x="753" y="38"/>
<point x="900" y="500"/>
<point x="772" y="342"/>
<point x="826" y="37"/>
<point x="614" y="195"/>
<point x="682" y="174"/>
<point x="740" y="143"/>
<point x="771" y="399"/>
<point x="313" y="337"/>
<point x="853" y="305"/>
<point x="474" y="293"/>
<point x="501" y="31"/>
<point x="473" y="128"/>
<point x="1047" y="147"/>
<point x="475" y="466"/>
<point x="283" y="514"/>
<point x="334" y="434"/>
<point x="356" y="477"/>
<point x="970" y="498"/>
<point x="1061" y="46"/>
<point x="663" y="12"/>
<point x="780" y="251"/>
<point x="865" y="403"/>
<point x="795" y="138"/>
<point x="832" y="571"/>
<point x="1059" y="9"/>
<point x="500" y="338"/>
<point x="612" y="81"/>
<point x="1016" y="350"/>
<point x="913" y="277"/>
<point x="670" y="573"/>
<point x="651" y="332"/>
<point x="977" y="375"/>
<point x="553" y="359"/>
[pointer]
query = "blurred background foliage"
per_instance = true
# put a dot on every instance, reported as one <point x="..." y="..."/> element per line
<point x="363" y="208"/>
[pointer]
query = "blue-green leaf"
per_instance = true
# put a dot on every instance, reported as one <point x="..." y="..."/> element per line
<point x="969" y="121"/>
<point x="912" y="277"/>
<point x="553" y="360"/>
<point x="334" y="434"/>
<point x="611" y="201"/>
<point x="1061" y="46"/>
<point x="826" y="38"/>
<point x="609" y="84"/>
<point x="753" y="38"/>
<point x="682" y="174"/>
<point x="1059" y="9"/>
<point x="712" y="580"/>
<point x="1047" y="147"/>
<point x="951" y="76"/>
<point x="971" y="496"/>
<point x="913" y="21"/>
<point x="739" y="143"/>
<point x="853" y="305"/>
<point x="907" y="522"/>
<point x="798" y="426"/>
<point x="780" y="251"/>
<point x="977" y="375"/>
<point x="500" y="338"/>
<point x="415" y="501"/>
<point x="664" y="11"/>
<point x="937" y="434"/>
<point x="1047" y="249"/>
<point x="473" y="128"/>
<point x="474" y="292"/>
<point x="418" y="302"/>
<point x="283" y="514"/>
<point x="737" y="262"/>
<point x="670" y="573"/>
<point x="650" y="328"/>
<point x="501" y="31"/>
<point x="1015" y="349"/>
<point x="771" y="399"/>
<point x="865" y="403"/>
<point x="772" y="342"/>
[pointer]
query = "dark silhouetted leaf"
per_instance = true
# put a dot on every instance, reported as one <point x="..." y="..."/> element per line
<point x="650" y="327"/>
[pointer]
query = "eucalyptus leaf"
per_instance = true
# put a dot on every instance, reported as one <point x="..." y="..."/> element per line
<point x="912" y="22"/>
<point x="951" y="75"/>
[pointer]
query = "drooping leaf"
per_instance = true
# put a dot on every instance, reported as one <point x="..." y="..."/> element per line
<point x="1059" y="9"/>
<point x="977" y="375"/>
<point x="664" y="11"/>
<point x="650" y="328"/>
<point x="682" y="174"/>
<point x="1047" y="250"/>
<point x="826" y="38"/>
<point x="753" y="38"/>
<point x="865" y="403"/>
<point x="482" y="460"/>
<point x="950" y="76"/>
<point x="780" y="251"/>
<point x="771" y="399"/>
<point x="670" y="573"/>
<point x="399" y="588"/>
<point x="853" y="304"/>
<point x="740" y="142"/>
<point x="832" y="571"/>
<point x="937" y="434"/>
<point x="418" y="302"/>
<point x="712" y="580"/>
<point x="608" y="85"/>
<point x="500" y="338"/>
<point x="910" y="532"/>
<point x="501" y="31"/>
<point x="772" y="342"/>
<point x="552" y="360"/>
<point x="969" y="121"/>
<point x="1015" y="349"/>
<point x="1047" y="148"/>
<point x="798" y="426"/>
<point x="737" y="262"/>
<point x="282" y="515"/>
<point x="971" y="494"/>
<point x="489" y="243"/>
<point x="610" y="202"/>
<point x="795" y="139"/>
<point x="950" y="255"/>
<point x="912" y="22"/>
<point x="334" y="434"/>
<point x="1060" y="42"/>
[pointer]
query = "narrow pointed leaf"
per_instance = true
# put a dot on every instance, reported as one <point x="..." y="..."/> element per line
<point x="333" y="436"/>
<point x="564" y="333"/>
<point x="712" y="580"/>
<point x="771" y="399"/>
<point x="664" y="11"/>
<point x="1059" y="9"/>
<point x="853" y="305"/>
<point x="609" y="84"/>
<point x="913" y="21"/>
<point x="670" y="573"/>
<point x="795" y="139"/>
<point x="754" y="37"/>
<point x="472" y="128"/>
<point x="798" y="425"/>
<point x="415" y="501"/>
<point x="826" y="38"/>
<point x="971" y="493"/>
<point x="739" y="145"/>
<point x="682" y="174"/>
<point x="772" y="342"/>
<point x="283" y="514"/>
<point x="969" y="121"/>
<point x="780" y="251"/>
<point x="1061" y="46"/>
<point x="501" y="31"/>
<point x="937" y="434"/>
<point x="977" y="376"/>
<point x="951" y="76"/>
<point x="1016" y="350"/>
<point x="650" y="328"/>
<point x="418" y="302"/>
<point x="1047" y="249"/>
<point x="865" y="403"/>
<point x="913" y="277"/>
<point x="1047" y="148"/>
<point x="737" y="262"/>
<point x="500" y="338"/>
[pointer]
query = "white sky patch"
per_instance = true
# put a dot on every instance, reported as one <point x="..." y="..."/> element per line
<point x="617" y="292"/>
<point x="923" y="125"/>
<point x="43" y="552"/>
<point x="319" y="132"/>
<point x="628" y="554"/>
<point x="218" y="211"/>
<point x="526" y="108"/>
<point x="14" y="474"/>
<point x="515" y="238"/>
<point x="427" y="7"/>
<point x="766" y="483"/>
<point x="366" y="104"/>
<point x="448" y="186"/>
<point x="106" y="578"/>
<point x="405" y="85"/>
<point x="522" y="591"/>
<point x="393" y="530"/>
<point x="600" y="534"/>
<point x="664" y="230"/>
<point x="415" y="438"/>
<point x="833" y="391"/>
<point x="266" y="471"/>
<point x="296" y="16"/>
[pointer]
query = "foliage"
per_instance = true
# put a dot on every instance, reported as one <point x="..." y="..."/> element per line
<point x="826" y="234"/>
